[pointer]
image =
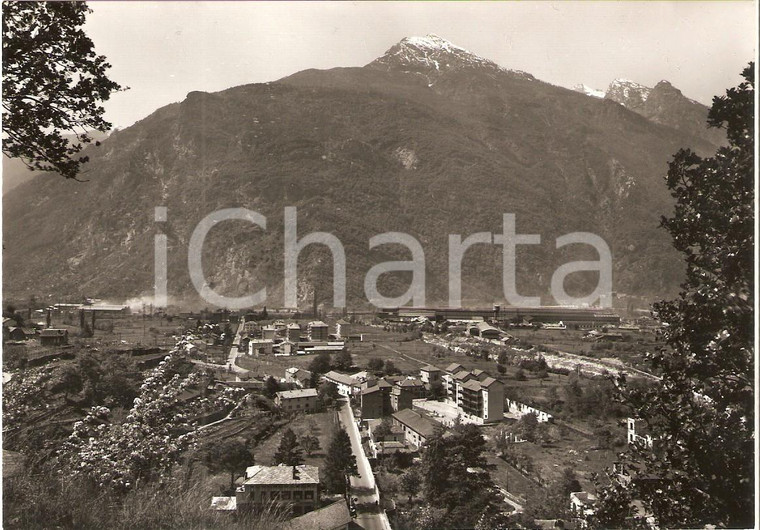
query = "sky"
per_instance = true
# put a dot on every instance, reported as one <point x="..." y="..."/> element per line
<point x="163" y="50"/>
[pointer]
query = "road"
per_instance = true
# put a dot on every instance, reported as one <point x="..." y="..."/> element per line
<point x="369" y="515"/>
<point x="234" y="352"/>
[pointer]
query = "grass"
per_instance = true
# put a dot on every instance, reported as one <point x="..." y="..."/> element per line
<point x="322" y="425"/>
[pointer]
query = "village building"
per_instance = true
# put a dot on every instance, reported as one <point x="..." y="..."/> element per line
<point x="251" y="327"/>
<point x="417" y="428"/>
<point x="347" y="385"/>
<point x="54" y="337"/>
<point x="520" y="409"/>
<point x="477" y="396"/>
<point x="21" y="334"/>
<point x="404" y="391"/>
<point x="376" y="399"/>
<point x="298" y="377"/>
<point x="294" y="486"/>
<point x="486" y="331"/>
<point x="299" y="400"/>
<point x="640" y="436"/>
<point x="318" y="331"/>
<point x="335" y="516"/>
<point x="268" y="333"/>
<point x="430" y="375"/>
<point x="582" y="504"/>
<point x="293" y="332"/>
<point x="260" y="346"/>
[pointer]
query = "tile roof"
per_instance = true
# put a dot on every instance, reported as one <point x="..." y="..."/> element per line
<point x="462" y="375"/>
<point x="488" y="381"/>
<point x="410" y="382"/>
<point x="281" y="475"/>
<point x="454" y="367"/>
<point x="472" y="385"/>
<point x="415" y="421"/>
<point x="299" y="393"/>
<point x="336" y="515"/>
<point x="341" y="378"/>
<point x="429" y="368"/>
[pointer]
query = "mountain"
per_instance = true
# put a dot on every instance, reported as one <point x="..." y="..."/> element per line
<point x="593" y="92"/>
<point x="428" y="140"/>
<point x="16" y="172"/>
<point x="666" y="105"/>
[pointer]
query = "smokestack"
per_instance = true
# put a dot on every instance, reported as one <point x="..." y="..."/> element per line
<point x="48" y="319"/>
<point x="295" y="473"/>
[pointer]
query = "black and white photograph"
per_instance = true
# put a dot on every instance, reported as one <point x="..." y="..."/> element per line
<point x="408" y="265"/>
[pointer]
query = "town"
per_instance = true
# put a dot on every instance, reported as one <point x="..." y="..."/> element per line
<point x="271" y="394"/>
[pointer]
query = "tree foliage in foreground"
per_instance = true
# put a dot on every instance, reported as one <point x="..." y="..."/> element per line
<point x="53" y="84"/>
<point x="701" y="415"/>
<point x="340" y="463"/>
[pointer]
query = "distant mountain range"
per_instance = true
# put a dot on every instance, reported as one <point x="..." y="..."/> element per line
<point x="428" y="139"/>
<point x="663" y="104"/>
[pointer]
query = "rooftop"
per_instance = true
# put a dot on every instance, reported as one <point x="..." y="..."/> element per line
<point x="336" y="515"/>
<point x="282" y="475"/>
<point x="415" y="421"/>
<point x="340" y="378"/>
<point x="299" y="393"/>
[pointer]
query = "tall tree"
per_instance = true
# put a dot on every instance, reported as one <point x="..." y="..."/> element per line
<point x="340" y="463"/>
<point x="231" y="456"/>
<point x="289" y="452"/>
<point x="53" y="84"/>
<point x="701" y="415"/>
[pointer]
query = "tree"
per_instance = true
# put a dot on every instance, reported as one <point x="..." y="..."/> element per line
<point x="411" y="482"/>
<point x="271" y="387"/>
<point x="527" y="426"/>
<point x="383" y="429"/>
<point x="53" y="84"/>
<point x="309" y="442"/>
<point x="343" y="360"/>
<point x="230" y="455"/>
<point x="390" y="368"/>
<point x="340" y="463"/>
<point x="289" y="452"/>
<point x="320" y="364"/>
<point x="375" y="364"/>
<point x="701" y="414"/>
<point x="502" y="358"/>
<point x="327" y="394"/>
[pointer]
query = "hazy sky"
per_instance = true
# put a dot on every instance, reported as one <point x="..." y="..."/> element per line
<point x="162" y="51"/>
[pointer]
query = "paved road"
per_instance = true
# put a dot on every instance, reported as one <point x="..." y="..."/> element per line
<point x="234" y="352"/>
<point x="369" y="515"/>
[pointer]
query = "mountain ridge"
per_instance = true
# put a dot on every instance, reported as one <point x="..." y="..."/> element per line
<point x="359" y="151"/>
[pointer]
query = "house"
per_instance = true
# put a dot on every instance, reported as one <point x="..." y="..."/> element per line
<point x="582" y="503"/>
<point x="298" y="377"/>
<point x="251" y="327"/>
<point x="318" y="331"/>
<point x="260" y="346"/>
<point x="416" y="427"/>
<point x="487" y="331"/>
<point x="268" y="333"/>
<point x="335" y="516"/>
<point x="343" y="328"/>
<point x="287" y="347"/>
<point x="294" y="486"/>
<point x="19" y="333"/>
<point x="376" y="399"/>
<point x="640" y="437"/>
<point x="293" y="332"/>
<point x="430" y="375"/>
<point x="54" y="337"/>
<point x="300" y="400"/>
<point x="347" y="385"/>
<point x="405" y="391"/>
<point x="385" y="443"/>
<point x="520" y="409"/>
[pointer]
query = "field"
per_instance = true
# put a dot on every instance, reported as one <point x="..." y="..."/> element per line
<point x="322" y="425"/>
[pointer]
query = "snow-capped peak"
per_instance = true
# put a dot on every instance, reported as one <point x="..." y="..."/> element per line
<point x="623" y="90"/>
<point x="432" y="54"/>
<point x="593" y="92"/>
